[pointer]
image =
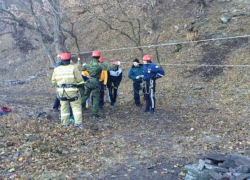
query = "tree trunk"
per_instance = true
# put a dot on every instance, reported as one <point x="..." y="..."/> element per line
<point x="47" y="51"/>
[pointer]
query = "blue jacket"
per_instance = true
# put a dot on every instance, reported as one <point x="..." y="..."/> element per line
<point x="135" y="71"/>
<point x="58" y="63"/>
<point x="152" y="70"/>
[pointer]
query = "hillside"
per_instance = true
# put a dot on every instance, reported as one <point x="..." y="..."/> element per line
<point x="202" y="103"/>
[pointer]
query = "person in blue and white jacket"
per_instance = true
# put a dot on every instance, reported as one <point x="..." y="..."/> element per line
<point x="151" y="72"/>
<point x="114" y="80"/>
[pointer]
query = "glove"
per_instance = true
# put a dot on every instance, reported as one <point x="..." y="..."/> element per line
<point x="117" y="63"/>
<point x="138" y="77"/>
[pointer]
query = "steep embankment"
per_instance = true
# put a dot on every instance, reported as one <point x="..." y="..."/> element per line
<point x="200" y="109"/>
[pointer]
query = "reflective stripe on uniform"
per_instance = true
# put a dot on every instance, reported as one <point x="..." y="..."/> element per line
<point x="65" y="114"/>
<point x="77" y="113"/>
<point x="58" y="76"/>
<point x="66" y="89"/>
<point x="64" y="71"/>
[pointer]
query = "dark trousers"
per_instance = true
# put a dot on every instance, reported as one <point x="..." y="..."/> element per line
<point x="137" y="87"/>
<point x="150" y="94"/>
<point x="56" y="103"/>
<point x="101" y="101"/>
<point x="112" y="92"/>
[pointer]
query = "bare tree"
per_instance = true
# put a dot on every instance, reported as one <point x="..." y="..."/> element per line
<point x="120" y="18"/>
<point x="121" y="22"/>
<point x="43" y="18"/>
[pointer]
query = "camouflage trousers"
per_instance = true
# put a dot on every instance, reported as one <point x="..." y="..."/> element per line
<point x="92" y="85"/>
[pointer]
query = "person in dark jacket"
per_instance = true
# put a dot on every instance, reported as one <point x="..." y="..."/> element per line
<point x="135" y="73"/>
<point x="151" y="72"/>
<point x="114" y="80"/>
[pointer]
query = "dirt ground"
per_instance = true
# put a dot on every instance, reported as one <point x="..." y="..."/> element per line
<point x="123" y="144"/>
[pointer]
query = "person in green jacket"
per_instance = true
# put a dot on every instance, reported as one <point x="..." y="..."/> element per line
<point x="94" y="67"/>
<point x="135" y="73"/>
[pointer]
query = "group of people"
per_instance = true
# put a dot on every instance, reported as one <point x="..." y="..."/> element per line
<point x="74" y="85"/>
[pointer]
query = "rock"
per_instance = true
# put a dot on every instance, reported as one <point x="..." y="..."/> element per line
<point x="30" y="78"/>
<point x="29" y="115"/>
<point x="193" y="173"/>
<point x="50" y="117"/>
<point x="9" y="144"/>
<point x="210" y="110"/>
<point x="176" y="28"/>
<point x="243" y="176"/>
<point x="224" y="18"/>
<point x="227" y="175"/>
<point x="94" y="127"/>
<point x="222" y="27"/>
<point x="217" y="158"/>
<point x="199" y="101"/>
<point x="17" y="154"/>
<point x="210" y="139"/>
<point x="216" y="168"/>
<point x="14" y="82"/>
<point x="82" y="174"/>
<point x="242" y="160"/>
<point x="58" y="151"/>
<point x="38" y="114"/>
<point x="243" y="169"/>
<point x="214" y="174"/>
<point x="208" y="161"/>
<point x="31" y="138"/>
<point x="197" y="87"/>
<point x="19" y="119"/>
<point x="234" y="161"/>
<point x="201" y="164"/>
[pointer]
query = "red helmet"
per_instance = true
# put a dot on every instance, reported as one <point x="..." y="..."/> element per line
<point x="63" y="56"/>
<point x="96" y="54"/>
<point x="101" y="60"/>
<point x="147" y="57"/>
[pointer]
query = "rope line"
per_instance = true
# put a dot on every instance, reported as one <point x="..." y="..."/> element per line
<point x="165" y="44"/>
<point x="207" y="65"/>
<point x="175" y="43"/>
<point x="200" y="65"/>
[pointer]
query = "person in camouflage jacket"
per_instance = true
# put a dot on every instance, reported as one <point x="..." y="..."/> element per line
<point x="94" y="68"/>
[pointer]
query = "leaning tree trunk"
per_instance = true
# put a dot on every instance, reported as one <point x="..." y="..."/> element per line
<point x="47" y="50"/>
<point x="59" y="37"/>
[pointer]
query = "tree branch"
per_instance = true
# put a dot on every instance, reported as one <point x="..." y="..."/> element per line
<point x="118" y="30"/>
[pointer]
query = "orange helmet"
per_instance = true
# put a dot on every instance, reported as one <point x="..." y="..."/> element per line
<point x="147" y="57"/>
<point x="101" y="60"/>
<point x="96" y="54"/>
<point x="63" y="56"/>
